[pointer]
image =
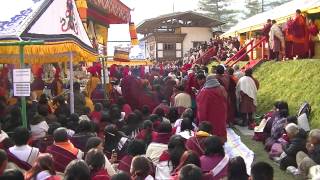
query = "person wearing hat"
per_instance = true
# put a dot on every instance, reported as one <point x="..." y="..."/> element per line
<point x="94" y="80"/>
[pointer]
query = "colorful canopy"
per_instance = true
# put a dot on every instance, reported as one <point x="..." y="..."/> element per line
<point x="57" y="22"/>
<point x="280" y="13"/>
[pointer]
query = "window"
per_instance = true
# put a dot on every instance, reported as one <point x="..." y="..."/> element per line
<point x="168" y="46"/>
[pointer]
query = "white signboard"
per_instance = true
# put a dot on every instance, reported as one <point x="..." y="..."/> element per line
<point x="22" y="75"/>
<point x="21" y="89"/>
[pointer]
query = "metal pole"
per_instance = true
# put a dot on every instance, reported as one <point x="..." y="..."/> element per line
<point x="104" y="77"/>
<point x="23" y="99"/>
<point x="71" y="82"/>
<point x="262" y="5"/>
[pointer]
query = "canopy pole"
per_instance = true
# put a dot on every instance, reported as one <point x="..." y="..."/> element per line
<point x="71" y="82"/>
<point x="104" y="77"/>
<point x="23" y="99"/>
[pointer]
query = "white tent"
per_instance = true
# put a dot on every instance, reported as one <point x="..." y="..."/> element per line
<point x="57" y="22"/>
<point x="280" y="13"/>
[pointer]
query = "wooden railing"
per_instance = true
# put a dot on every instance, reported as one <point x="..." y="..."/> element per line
<point x="206" y="57"/>
<point x="260" y="42"/>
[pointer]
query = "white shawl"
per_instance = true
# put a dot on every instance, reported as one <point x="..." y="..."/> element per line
<point x="275" y="31"/>
<point x="247" y="85"/>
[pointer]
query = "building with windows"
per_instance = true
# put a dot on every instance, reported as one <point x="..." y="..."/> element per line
<point x="170" y="36"/>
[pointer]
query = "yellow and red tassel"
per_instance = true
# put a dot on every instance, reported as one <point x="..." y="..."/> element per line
<point x="133" y="34"/>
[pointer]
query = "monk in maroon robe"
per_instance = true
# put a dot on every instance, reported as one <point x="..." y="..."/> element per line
<point x="196" y="143"/>
<point x="38" y="84"/>
<point x="212" y="105"/>
<point x="130" y="87"/>
<point x="147" y="97"/>
<point x="299" y="30"/>
<point x="313" y="33"/>
<point x="62" y="150"/>
<point x="226" y="81"/>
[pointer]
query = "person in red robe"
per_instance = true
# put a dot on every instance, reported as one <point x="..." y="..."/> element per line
<point x="146" y="97"/>
<point x="63" y="151"/>
<point x="298" y="28"/>
<point x="212" y="105"/>
<point x="135" y="148"/>
<point x="130" y="87"/>
<point x="313" y="33"/>
<point x="196" y="143"/>
<point x="96" y="161"/>
<point x="230" y="87"/>
<point x="38" y="84"/>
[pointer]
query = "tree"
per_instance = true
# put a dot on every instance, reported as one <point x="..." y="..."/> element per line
<point x="253" y="7"/>
<point x="220" y="10"/>
<point x="269" y="4"/>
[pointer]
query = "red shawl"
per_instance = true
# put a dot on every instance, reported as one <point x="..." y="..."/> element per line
<point x="61" y="157"/>
<point x="162" y="138"/>
<point x="100" y="175"/>
<point x="125" y="163"/>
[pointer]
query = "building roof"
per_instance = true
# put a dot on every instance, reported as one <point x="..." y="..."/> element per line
<point x="177" y="19"/>
<point x="280" y="13"/>
<point x="110" y="11"/>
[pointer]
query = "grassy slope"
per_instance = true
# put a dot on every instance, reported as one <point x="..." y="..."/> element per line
<point x="261" y="155"/>
<point x="291" y="81"/>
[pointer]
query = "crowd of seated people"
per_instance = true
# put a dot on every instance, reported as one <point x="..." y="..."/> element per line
<point x="154" y="125"/>
<point x="224" y="49"/>
<point x="288" y="141"/>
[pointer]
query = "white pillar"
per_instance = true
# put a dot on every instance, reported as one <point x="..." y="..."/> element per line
<point x="71" y="82"/>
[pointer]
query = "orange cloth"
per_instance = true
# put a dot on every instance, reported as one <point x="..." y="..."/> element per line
<point x="89" y="104"/>
<point x="68" y="146"/>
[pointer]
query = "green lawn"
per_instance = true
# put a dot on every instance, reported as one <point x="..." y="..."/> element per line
<point x="292" y="81"/>
<point x="261" y="155"/>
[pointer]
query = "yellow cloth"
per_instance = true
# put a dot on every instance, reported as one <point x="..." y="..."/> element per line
<point x="89" y="104"/>
<point x="202" y="134"/>
<point x="92" y="84"/>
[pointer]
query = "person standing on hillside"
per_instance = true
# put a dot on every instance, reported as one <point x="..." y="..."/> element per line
<point x="265" y="33"/>
<point x="313" y="33"/>
<point x="246" y="91"/>
<point x="276" y="40"/>
<point x="212" y="106"/>
<point x="299" y="31"/>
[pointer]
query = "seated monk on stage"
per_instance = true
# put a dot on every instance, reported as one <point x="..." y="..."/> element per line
<point x="22" y="154"/>
<point x="57" y="84"/>
<point x="63" y="151"/>
<point x="38" y="84"/>
<point x="93" y="81"/>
